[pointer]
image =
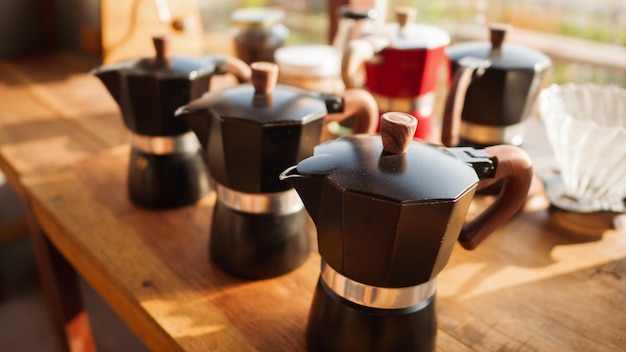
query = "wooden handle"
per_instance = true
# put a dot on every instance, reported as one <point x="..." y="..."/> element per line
<point x="514" y="168"/>
<point x="453" y="108"/>
<point x="356" y="53"/>
<point x="162" y="46"/>
<point x="361" y="105"/>
<point x="497" y="33"/>
<point x="451" y="121"/>
<point x="238" y="68"/>
<point x="397" y="130"/>
<point x="264" y="77"/>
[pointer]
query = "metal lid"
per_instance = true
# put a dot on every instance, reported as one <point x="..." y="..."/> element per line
<point x="367" y="164"/>
<point x="148" y="90"/>
<point x="503" y="56"/>
<point x="262" y="101"/>
<point x="418" y="36"/>
<point x="405" y="35"/>
<point x="166" y="66"/>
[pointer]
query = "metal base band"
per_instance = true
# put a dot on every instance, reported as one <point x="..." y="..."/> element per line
<point x="378" y="297"/>
<point x="279" y="203"/>
<point x="491" y="135"/>
<point x="423" y="104"/>
<point x="163" y="145"/>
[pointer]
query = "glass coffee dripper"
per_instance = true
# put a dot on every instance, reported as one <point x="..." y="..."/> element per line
<point x="586" y="127"/>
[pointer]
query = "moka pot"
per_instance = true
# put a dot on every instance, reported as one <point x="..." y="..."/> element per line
<point x="251" y="132"/>
<point x="388" y="210"/>
<point x="494" y="102"/>
<point x="167" y="167"/>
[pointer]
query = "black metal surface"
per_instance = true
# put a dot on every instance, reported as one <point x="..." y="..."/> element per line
<point x="148" y="91"/>
<point x="167" y="181"/>
<point x="503" y="95"/>
<point x="358" y="164"/>
<point x="387" y="220"/>
<point x="251" y="138"/>
<point x="478" y="159"/>
<point x="259" y="246"/>
<point x="337" y="325"/>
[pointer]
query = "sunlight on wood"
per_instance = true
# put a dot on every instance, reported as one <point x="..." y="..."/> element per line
<point x="486" y="276"/>
<point x="180" y="325"/>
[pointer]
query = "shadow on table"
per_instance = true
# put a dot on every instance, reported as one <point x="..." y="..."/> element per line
<point x="575" y="311"/>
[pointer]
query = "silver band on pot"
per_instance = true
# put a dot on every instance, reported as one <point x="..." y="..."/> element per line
<point x="423" y="104"/>
<point x="491" y="135"/>
<point x="279" y="203"/>
<point x="162" y="145"/>
<point x="378" y="297"/>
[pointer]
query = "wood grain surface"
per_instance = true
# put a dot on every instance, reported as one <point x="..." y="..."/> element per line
<point x="530" y="286"/>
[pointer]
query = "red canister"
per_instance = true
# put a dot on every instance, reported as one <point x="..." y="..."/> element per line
<point x="402" y="68"/>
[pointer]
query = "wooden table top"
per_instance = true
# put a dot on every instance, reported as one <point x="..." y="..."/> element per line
<point x="530" y="286"/>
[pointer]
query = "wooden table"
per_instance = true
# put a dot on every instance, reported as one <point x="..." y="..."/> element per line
<point x="529" y="287"/>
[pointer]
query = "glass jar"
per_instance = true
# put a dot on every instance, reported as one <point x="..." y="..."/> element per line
<point x="258" y="33"/>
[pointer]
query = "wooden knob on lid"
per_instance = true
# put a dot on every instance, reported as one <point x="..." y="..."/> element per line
<point x="405" y="15"/>
<point x="264" y="77"/>
<point x="162" y="46"/>
<point x="497" y="32"/>
<point x="397" y="130"/>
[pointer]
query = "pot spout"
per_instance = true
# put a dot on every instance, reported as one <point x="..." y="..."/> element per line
<point x="198" y="120"/>
<point x="308" y="187"/>
<point x="111" y="80"/>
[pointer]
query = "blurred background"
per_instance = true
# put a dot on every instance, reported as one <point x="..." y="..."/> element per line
<point x="587" y="32"/>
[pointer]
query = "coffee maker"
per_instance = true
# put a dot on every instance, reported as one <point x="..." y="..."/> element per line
<point x="167" y="167"/>
<point x="499" y="97"/>
<point x="402" y="67"/>
<point x="388" y="210"/>
<point x="251" y="132"/>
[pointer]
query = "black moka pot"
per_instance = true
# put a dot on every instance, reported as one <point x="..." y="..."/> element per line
<point x="493" y="102"/>
<point x="251" y="132"/>
<point x="388" y="212"/>
<point x="167" y="167"/>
